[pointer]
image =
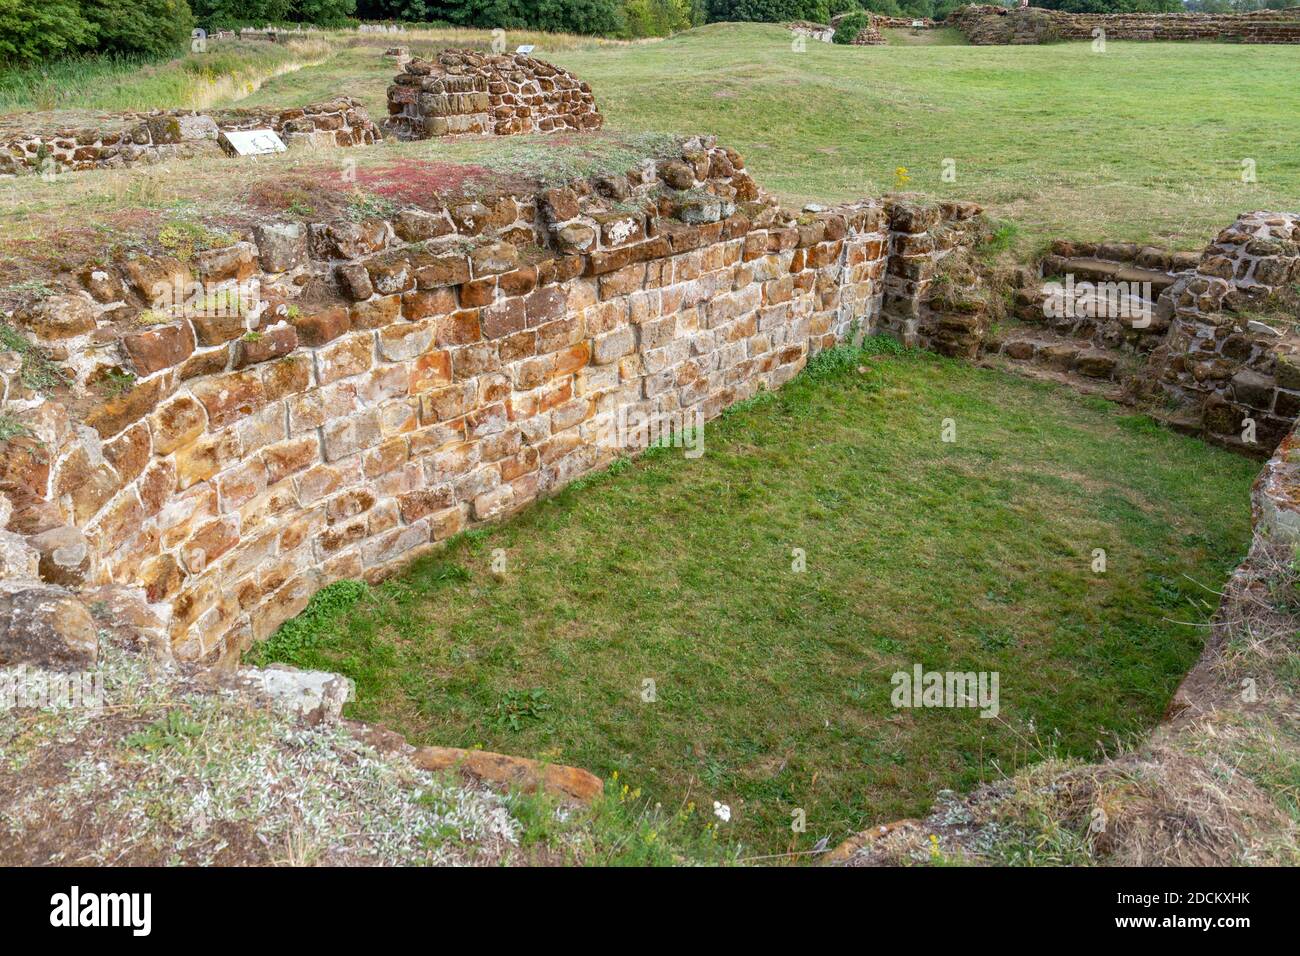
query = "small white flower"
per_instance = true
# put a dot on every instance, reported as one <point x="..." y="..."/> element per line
<point x="721" y="811"/>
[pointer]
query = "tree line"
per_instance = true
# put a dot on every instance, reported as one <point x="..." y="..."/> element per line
<point x="35" y="30"/>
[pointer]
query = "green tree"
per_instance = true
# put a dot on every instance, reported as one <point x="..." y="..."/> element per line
<point x="559" y="16"/>
<point x="769" y="11"/>
<point x="656" y="18"/>
<point x="322" y="13"/>
<point x="851" y="26"/>
<point x="235" y="13"/>
<point x="151" y="27"/>
<point x="32" y="30"/>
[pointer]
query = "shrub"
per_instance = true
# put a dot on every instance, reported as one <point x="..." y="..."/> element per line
<point x="38" y="29"/>
<point x="324" y="13"/>
<point x="656" y="18"/>
<point x="558" y="16"/>
<point x="769" y="11"/>
<point x="154" y="28"/>
<point x="851" y="26"/>
<point x="222" y="14"/>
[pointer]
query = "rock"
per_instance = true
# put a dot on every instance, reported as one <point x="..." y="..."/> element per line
<point x="45" y="626"/>
<point x="677" y="174"/>
<point x="494" y="258"/>
<point x="1095" y="363"/>
<point x="155" y="349"/>
<point x="318" y="696"/>
<point x="102" y="284"/>
<point x="1287" y="373"/>
<point x="59" y="317"/>
<point x="64" y="556"/>
<point x="125" y="610"/>
<point x="354" y="280"/>
<point x="1058" y="356"/>
<point x="232" y="262"/>
<point x="699" y="210"/>
<point x="276" y="342"/>
<point x="560" y="204"/>
<point x="1254" y="325"/>
<point x="18" y="559"/>
<point x="1253" y="389"/>
<point x="471" y="217"/>
<point x="197" y="127"/>
<point x="281" y="246"/>
<point x="575" y="238"/>
<point x="567" y="783"/>
<point x="416" y="225"/>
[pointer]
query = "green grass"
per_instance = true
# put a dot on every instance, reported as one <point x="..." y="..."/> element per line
<point x="1066" y="142"/>
<point x="227" y="72"/>
<point x="772" y="686"/>
<point x="1131" y="144"/>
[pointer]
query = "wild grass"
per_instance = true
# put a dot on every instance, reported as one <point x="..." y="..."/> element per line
<point x="228" y="72"/>
<point x="653" y="622"/>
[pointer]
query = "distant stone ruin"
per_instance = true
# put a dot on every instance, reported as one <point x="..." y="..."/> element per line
<point x="822" y="32"/>
<point x="112" y="140"/>
<point x="467" y="92"/>
<point x="988" y="24"/>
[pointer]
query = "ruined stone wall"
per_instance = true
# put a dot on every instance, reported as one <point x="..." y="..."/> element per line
<point x="1218" y="356"/>
<point x="466" y="92"/>
<point x="920" y="306"/>
<point x="124" y="139"/>
<point x="1208" y="341"/>
<point x="993" y="25"/>
<point x="398" y="381"/>
<point x="814" y="31"/>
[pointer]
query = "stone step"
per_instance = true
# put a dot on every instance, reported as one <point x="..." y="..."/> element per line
<point x="1030" y="307"/>
<point x="1091" y="269"/>
<point x="1101" y="388"/>
<point x="1057" y="353"/>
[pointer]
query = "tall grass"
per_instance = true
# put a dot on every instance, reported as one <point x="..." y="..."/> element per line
<point x="226" y="73"/>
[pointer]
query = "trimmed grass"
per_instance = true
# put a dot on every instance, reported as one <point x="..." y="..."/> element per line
<point x="772" y="686"/>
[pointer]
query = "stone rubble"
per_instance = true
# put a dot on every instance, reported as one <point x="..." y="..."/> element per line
<point x="127" y="139"/>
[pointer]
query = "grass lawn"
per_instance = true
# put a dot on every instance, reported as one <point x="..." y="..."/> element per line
<point x="772" y="686"/>
<point x="1143" y="142"/>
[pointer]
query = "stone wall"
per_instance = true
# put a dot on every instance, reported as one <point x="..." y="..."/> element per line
<point x="1217" y="356"/>
<point x="466" y="92"/>
<point x="124" y="139"/>
<point x="994" y="25"/>
<point x="1209" y="341"/>
<point x="393" y="382"/>
<point x="821" y="32"/>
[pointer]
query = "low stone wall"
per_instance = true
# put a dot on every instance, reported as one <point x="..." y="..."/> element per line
<point x="821" y="32"/>
<point x="883" y="22"/>
<point x="124" y="139"/>
<point x="466" y="92"/>
<point x="392" y="382"/>
<point x="994" y="25"/>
